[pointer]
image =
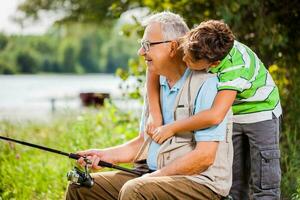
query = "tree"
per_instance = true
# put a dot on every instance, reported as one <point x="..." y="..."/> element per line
<point x="3" y="41"/>
<point x="75" y="10"/>
<point x="27" y="63"/>
<point x="5" y="68"/>
<point x="88" y="54"/>
<point x="69" y="59"/>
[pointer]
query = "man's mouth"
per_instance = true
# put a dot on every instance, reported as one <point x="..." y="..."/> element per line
<point x="148" y="61"/>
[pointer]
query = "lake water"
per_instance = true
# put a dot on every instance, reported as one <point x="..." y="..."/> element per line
<point x="29" y="96"/>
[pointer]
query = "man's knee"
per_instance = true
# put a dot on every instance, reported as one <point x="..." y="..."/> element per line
<point x="75" y="191"/>
<point x="132" y="189"/>
<point x="72" y="192"/>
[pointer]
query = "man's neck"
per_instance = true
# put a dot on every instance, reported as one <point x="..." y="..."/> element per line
<point x="175" y="72"/>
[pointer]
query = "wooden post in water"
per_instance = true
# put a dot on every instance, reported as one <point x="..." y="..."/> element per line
<point x="52" y="101"/>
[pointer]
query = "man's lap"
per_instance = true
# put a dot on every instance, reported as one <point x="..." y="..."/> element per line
<point x="106" y="186"/>
<point x="114" y="185"/>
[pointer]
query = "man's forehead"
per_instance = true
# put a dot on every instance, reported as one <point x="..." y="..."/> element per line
<point x="153" y="32"/>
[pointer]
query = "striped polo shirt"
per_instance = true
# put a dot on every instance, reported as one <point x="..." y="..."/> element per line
<point x="258" y="97"/>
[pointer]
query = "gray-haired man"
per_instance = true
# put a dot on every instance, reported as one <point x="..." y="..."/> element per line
<point x="191" y="165"/>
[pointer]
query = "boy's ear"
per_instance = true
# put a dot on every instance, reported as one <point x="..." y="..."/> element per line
<point x="215" y="63"/>
<point x="174" y="48"/>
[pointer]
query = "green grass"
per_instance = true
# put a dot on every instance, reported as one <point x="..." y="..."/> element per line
<point x="27" y="173"/>
<point x="290" y="164"/>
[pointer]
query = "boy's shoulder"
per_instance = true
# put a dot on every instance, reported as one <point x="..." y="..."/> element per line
<point x="240" y="56"/>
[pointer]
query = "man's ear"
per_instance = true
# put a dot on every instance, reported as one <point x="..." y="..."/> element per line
<point x="174" y="48"/>
<point x="215" y="63"/>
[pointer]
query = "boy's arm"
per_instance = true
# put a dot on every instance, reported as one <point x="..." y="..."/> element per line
<point x="194" y="162"/>
<point x="204" y="119"/>
<point x="155" y="117"/>
<point x="207" y="118"/>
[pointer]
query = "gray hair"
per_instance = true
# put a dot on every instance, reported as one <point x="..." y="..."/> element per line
<point x="172" y="25"/>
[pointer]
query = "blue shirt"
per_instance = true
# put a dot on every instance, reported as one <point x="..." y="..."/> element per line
<point x="203" y="101"/>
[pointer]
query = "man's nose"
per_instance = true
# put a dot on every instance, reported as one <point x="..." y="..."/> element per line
<point x="141" y="51"/>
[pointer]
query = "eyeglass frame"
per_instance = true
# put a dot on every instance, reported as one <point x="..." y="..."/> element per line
<point x="145" y="44"/>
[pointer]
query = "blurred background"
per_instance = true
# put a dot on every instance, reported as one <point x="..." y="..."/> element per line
<point x="71" y="79"/>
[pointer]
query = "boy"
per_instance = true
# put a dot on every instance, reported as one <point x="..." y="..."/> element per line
<point x="246" y="85"/>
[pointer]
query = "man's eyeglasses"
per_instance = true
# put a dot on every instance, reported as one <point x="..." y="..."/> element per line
<point x="146" y="44"/>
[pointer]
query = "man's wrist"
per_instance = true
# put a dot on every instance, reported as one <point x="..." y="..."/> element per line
<point x="112" y="157"/>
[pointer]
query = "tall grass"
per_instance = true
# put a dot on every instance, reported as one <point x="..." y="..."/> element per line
<point x="27" y="173"/>
<point x="290" y="164"/>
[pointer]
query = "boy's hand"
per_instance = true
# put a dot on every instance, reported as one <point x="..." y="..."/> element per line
<point x="162" y="133"/>
<point x="153" y="122"/>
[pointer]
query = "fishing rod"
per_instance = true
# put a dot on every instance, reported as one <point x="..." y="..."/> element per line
<point x="75" y="172"/>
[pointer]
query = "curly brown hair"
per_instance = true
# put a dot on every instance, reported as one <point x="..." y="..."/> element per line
<point x="211" y="40"/>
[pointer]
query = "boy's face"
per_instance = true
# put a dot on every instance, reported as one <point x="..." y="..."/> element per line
<point x="202" y="64"/>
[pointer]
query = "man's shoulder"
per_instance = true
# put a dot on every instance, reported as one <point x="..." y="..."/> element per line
<point x="210" y="84"/>
<point x="201" y="80"/>
<point x="205" y="76"/>
<point x="202" y="75"/>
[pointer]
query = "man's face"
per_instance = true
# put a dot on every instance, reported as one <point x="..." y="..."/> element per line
<point x="196" y="65"/>
<point x="156" y="56"/>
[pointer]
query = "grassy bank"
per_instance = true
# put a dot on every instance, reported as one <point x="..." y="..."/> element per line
<point x="27" y="173"/>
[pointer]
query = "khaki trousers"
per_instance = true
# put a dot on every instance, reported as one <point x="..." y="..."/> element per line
<point x="125" y="186"/>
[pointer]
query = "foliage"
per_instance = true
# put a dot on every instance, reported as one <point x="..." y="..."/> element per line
<point x="28" y="173"/>
<point x="3" y="41"/>
<point x="70" y="48"/>
<point x="78" y="10"/>
<point x="26" y="63"/>
<point x="254" y="22"/>
<point x="296" y="196"/>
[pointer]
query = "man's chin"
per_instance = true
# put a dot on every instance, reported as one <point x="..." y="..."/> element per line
<point x="150" y="67"/>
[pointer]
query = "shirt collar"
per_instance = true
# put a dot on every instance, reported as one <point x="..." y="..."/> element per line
<point x="228" y="58"/>
<point x="178" y="84"/>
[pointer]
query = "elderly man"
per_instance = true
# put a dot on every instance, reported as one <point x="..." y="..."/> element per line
<point x="190" y="165"/>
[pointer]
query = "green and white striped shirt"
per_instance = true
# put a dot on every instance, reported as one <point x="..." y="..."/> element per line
<point x="258" y="97"/>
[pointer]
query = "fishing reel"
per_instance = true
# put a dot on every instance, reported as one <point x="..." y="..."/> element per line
<point x="82" y="178"/>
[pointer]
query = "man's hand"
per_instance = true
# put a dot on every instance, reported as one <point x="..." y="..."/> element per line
<point x="94" y="155"/>
<point x="162" y="133"/>
<point x="153" y="122"/>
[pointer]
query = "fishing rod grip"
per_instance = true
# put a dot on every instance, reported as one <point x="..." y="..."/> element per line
<point x="101" y="163"/>
<point x="110" y="165"/>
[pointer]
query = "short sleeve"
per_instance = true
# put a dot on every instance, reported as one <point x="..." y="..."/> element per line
<point x="204" y="101"/>
<point x="233" y="78"/>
